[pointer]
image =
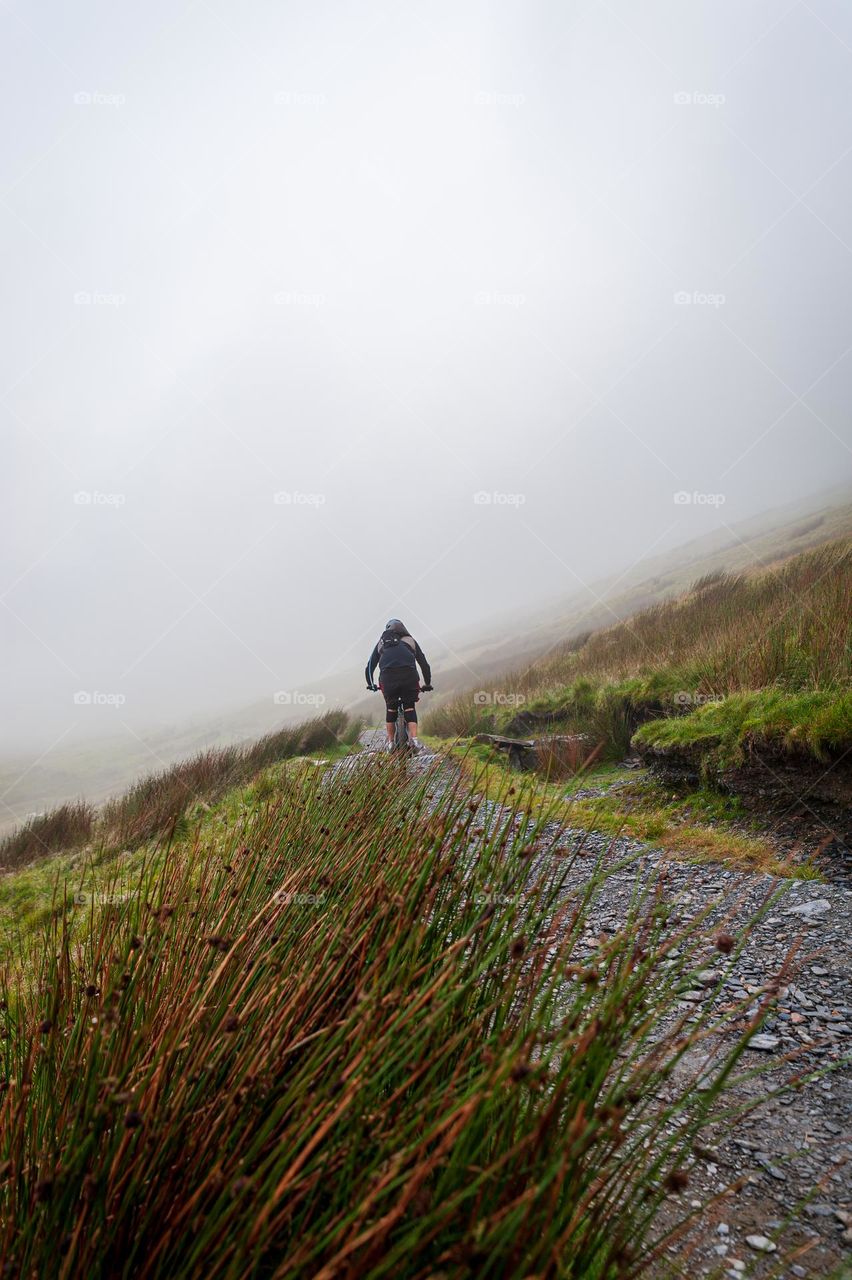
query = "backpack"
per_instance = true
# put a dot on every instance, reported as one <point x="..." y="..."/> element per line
<point x="389" y="639"/>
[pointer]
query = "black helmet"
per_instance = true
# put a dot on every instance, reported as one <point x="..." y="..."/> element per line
<point x="394" y="624"/>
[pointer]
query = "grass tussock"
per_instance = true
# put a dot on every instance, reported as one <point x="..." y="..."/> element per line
<point x="356" y="1034"/>
<point x="64" y="827"/>
<point x="817" y="724"/>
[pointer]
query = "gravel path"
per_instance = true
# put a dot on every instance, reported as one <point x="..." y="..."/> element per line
<point x="795" y="1148"/>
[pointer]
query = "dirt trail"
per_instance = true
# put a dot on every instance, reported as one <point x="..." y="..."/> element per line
<point x="796" y="1147"/>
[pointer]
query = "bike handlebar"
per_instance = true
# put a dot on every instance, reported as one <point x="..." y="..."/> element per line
<point x="424" y="688"/>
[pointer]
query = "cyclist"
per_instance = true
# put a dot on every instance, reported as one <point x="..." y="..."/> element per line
<point x="397" y="655"/>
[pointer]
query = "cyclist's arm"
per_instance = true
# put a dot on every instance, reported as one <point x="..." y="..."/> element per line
<point x="424" y="665"/>
<point x="371" y="666"/>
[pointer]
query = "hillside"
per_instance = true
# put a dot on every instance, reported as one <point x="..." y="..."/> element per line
<point x="743" y="683"/>
<point x="483" y="653"/>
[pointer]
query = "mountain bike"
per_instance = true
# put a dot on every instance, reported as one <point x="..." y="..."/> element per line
<point x="401" y="740"/>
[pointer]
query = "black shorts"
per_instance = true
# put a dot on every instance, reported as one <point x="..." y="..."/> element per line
<point x="404" y="684"/>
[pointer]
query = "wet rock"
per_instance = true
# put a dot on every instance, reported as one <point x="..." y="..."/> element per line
<point x="811" y="909"/>
<point x="762" y="1244"/>
<point x="766" y="1043"/>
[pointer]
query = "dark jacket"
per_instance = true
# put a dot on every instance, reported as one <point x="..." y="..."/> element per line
<point x="406" y="653"/>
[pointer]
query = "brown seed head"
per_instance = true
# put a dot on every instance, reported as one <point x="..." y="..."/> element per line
<point x="677" y="1181"/>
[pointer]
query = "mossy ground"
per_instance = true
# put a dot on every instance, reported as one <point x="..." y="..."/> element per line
<point x="700" y="825"/>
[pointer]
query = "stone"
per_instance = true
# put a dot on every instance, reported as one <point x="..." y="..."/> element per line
<point x="811" y="909"/>
<point x="762" y="1244"/>
<point x="765" y="1161"/>
<point x="766" y="1044"/>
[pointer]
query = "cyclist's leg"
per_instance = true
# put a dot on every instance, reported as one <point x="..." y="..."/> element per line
<point x="410" y="694"/>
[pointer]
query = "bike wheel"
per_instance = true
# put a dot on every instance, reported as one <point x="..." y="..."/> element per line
<point x="400" y="739"/>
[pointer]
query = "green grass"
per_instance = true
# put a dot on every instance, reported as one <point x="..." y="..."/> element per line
<point x="816" y="723"/>
<point x="29" y="897"/>
<point x="339" y="1030"/>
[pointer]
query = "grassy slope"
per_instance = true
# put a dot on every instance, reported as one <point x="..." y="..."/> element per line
<point x="298" y="1040"/>
<point x="160" y="802"/>
<point x="746" y="547"/>
<point x="742" y="655"/>
<point x="96" y="872"/>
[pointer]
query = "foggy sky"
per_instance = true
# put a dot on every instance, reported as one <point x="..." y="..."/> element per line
<point x="375" y="259"/>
